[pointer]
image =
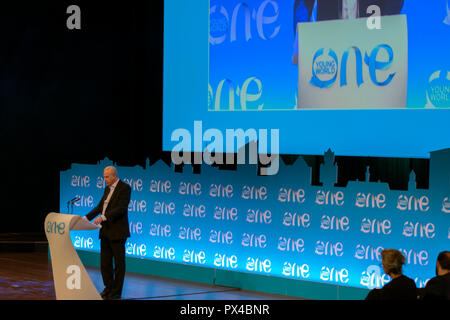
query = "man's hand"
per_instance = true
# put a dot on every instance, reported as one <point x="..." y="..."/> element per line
<point x="98" y="220"/>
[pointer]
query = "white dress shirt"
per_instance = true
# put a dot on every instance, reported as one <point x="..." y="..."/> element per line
<point x="108" y="198"/>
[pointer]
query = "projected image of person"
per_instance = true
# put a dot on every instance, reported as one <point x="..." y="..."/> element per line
<point x="352" y="9"/>
<point x="113" y="211"/>
<point x="438" y="288"/>
<point x="400" y="287"/>
<point x="303" y="12"/>
<point x="322" y="10"/>
<point x="447" y="18"/>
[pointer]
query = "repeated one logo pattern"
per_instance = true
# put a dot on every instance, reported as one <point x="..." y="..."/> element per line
<point x="273" y="227"/>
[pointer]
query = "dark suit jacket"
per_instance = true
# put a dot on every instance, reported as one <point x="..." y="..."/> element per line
<point x="437" y="288"/>
<point x="331" y="9"/>
<point x="401" y="288"/>
<point x="116" y="226"/>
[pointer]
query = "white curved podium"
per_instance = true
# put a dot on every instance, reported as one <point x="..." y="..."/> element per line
<point x="70" y="278"/>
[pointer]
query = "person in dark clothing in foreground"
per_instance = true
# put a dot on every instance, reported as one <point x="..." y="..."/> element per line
<point x="438" y="288"/>
<point x="401" y="287"/>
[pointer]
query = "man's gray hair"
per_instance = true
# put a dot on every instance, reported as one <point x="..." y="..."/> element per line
<point x="112" y="169"/>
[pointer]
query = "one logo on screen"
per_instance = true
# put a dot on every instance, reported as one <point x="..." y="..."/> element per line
<point x="159" y="230"/>
<point x="224" y="213"/>
<point x="55" y="228"/>
<point x="259" y="216"/>
<point x="417" y="258"/>
<point x="335" y="223"/>
<point x="194" y="211"/>
<point x="136" y="227"/>
<point x="84" y="201"/>
<point x="219" y="236"/>
<point x="163" y="208"/>
<point x="245" y="97"/>
<point x="329" y="198"/>
<point x="225" y="22"/>
<point x="135" y="184"/>
<point x="190" y="188"/>
<point x="221" y="191"/>
<point x="413" y="203"/>
<point x="372" y="277"/>
<point x="446" y="205"/>
<point x="136" y="249"/>
<point x="225" y="261"/>
<point x="370" y="200"/>
<point x="258" y="265"/>
<point x="421" y="230"/>
<point x="329" y="248"/>
<point x="375" y="226"/>
<point x="81" y="242"/>
<point x="188" y="233"/>
<point x="254" y="240"/>
<point x="296" y="270"/>
<point x="368" y="252"/>
<point x="161" y="252"/>
<point x="192" y="256"/>
<point x="137" y="206"/>
<point x="80" y="181"/>
<point x="218" y="25"/>
<point x="438" y="90"/>
<point x="447" y="18"/>
<point x="325" y="67"/>
<point x="254" y="193"/>
<point x="291" y="244"/>
<point x="291" y="195"/>
<point x="160" y="186"/>
<point x="334" y="275"/>
<point x="296" y="220"/>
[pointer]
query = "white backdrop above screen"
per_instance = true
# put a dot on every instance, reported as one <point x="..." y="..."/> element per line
<point x="261" y="64"/>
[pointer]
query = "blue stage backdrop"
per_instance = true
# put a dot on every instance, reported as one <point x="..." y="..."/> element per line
<point x="278" y="225"/>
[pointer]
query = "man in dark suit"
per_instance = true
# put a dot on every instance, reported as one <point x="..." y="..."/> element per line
<point x="438" y="288"/>
<point x="113" y="210"/>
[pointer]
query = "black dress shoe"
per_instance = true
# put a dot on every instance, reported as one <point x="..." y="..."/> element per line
<point x="104" y="294"/>
<point x="114" y="297"/>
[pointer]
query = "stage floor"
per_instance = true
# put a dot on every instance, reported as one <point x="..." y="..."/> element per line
<point x="28" y="276"/>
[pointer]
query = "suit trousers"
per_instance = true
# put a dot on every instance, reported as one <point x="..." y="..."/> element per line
<point x="112" y="251"/>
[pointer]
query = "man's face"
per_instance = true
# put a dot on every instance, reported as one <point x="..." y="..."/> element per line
<point x="109" y="177"/>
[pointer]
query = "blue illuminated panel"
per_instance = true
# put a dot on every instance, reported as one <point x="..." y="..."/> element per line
<point x="274" y="225"/>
